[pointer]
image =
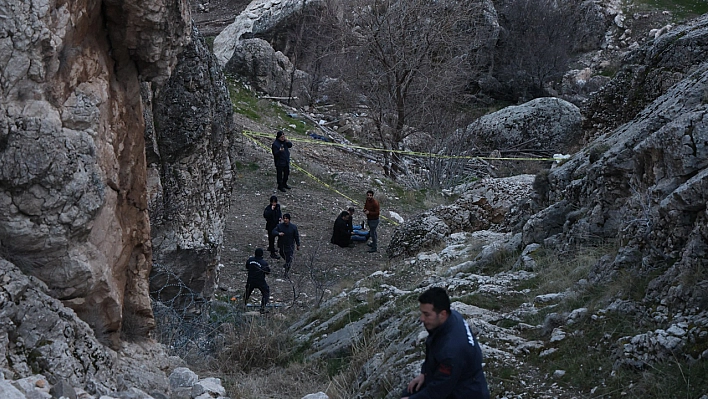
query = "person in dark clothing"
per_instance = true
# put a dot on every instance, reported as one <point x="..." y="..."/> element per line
<point x="272" y="215"/>
<point x="289" y="240"/>
<point x="281" y="157"/>
<point x="341" y="234"/>
<point x="372" y="210"/>
<point x="453" y="358"/>
<point x="257" y="269"/>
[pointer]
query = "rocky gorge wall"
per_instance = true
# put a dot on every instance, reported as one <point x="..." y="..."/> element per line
<point x="96" y="138"/>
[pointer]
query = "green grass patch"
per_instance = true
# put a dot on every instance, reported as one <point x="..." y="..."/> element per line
<point x="244" y="101"/>
<point x="251" y="166"/>
<point x="681" y="9"/>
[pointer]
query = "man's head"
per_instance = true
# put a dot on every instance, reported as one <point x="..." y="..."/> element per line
<point x="344" y="215"/>
<point x="259" y="253"/>
<point x="286" y="218"/>
<point x="351" y="210"/>
<point x="280" y="135"/>
<point x="434" y="307"/>
<point x="369" y="194"/>
<point x="273" y="199"/>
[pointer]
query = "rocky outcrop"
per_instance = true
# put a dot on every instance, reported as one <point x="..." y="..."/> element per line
<point x="259" y="19"/>
<point x="647" y="73"/>
<point x="47" y="351"/>
<point x="645" y="184"/>
<point x="269" y="71"/>
<point x="548" y="124"/>
<point x="72" y="165"/>
<point x="189" y="129"/>
<point x="74" y="175"/>
<point x="488" y="204"/>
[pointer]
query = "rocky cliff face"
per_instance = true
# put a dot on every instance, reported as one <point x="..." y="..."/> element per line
<point x="646" y="181"/>
<point x="73" y="169"/>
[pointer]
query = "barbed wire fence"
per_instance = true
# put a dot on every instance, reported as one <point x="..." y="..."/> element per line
<point x="189" y="325"/>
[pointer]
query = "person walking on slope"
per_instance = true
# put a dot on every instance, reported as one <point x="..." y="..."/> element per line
<point x="371" y="209"/>
<point x="272" y="215"/>
<point x="281" y="156"/>
<point x="257" y="269"/>
<point x="453" y="358"/>
<point x="288" y="241"/>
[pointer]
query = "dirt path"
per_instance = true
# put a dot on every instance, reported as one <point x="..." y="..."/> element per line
<point x="313" y="206"/>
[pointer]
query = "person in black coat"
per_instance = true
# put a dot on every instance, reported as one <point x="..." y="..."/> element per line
<point x="453" y="357"/>
<point x="281" y="157"/>
<point x="257" y="269"/>
<point x="288" y="241"/>
<point x="341" y="235"/>
<point x="272" y="215"/>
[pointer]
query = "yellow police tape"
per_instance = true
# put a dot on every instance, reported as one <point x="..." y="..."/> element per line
<point x="252" y="134"/>
<point x="313" y="177"/>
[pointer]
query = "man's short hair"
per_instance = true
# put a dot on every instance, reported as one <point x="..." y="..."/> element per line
<point x="259" y="252"/>
<point x="351" y="209"/>
<point x="273" y="198"/>
<point x="370" y="192"/>
<point x="344" y="214"/>
<point x="286" y="216"/>
<point x="279" y="133"/>
<point x="437" y="296"/>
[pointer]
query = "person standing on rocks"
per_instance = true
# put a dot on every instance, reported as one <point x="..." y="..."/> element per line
<point x="257" y="269"/>
<point x="371" y="209"/>
<point x="288" y="241"/>
<point x="281" y="156"/>
<point x="453" y="357"/>
<point x="272" y="215"/>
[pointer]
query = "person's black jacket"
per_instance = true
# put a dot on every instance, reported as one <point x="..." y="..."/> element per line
<point x="272" y="217"/>
<point x="290" y="237"/>
<point x="281" y="158"/>
<point x="453" y="363"/>
<point x="257" y="269"/>
<point x="340" y="233"/>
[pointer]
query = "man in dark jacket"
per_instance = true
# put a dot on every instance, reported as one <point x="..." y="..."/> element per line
<point x="288" y="240"/>
<point x="341" y="235"/>
<point x="281" y="156"/>
<point x="453" y="358"/>
<point x="272" y="215"/>
<point x="257" y="269"/>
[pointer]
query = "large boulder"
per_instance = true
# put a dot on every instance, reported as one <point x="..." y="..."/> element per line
<point x="268" y="71"/>
<point x="548" y="124"/>
<point x="260" y="19"/>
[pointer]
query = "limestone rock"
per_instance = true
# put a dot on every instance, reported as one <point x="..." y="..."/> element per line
<point x="485" y="205"/>
<point x="549" y="124"/>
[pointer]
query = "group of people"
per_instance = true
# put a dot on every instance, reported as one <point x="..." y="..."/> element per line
<point x="345" y="233"/>
<point x="453" y="358"/>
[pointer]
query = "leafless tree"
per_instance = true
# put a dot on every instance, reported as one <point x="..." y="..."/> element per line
<point x="409" y="62"/>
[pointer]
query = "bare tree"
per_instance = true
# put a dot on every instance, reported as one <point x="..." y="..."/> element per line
<point x="535" y="47"/>
<point x="409" y="61"/>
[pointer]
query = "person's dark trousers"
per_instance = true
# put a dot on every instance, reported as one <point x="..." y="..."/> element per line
<point x="373" y="224"/>
<point x="283" y="173"/>
<point x="271" y="242"/>
<point x="287" y="253"/>
<point x="262" y="287"/>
